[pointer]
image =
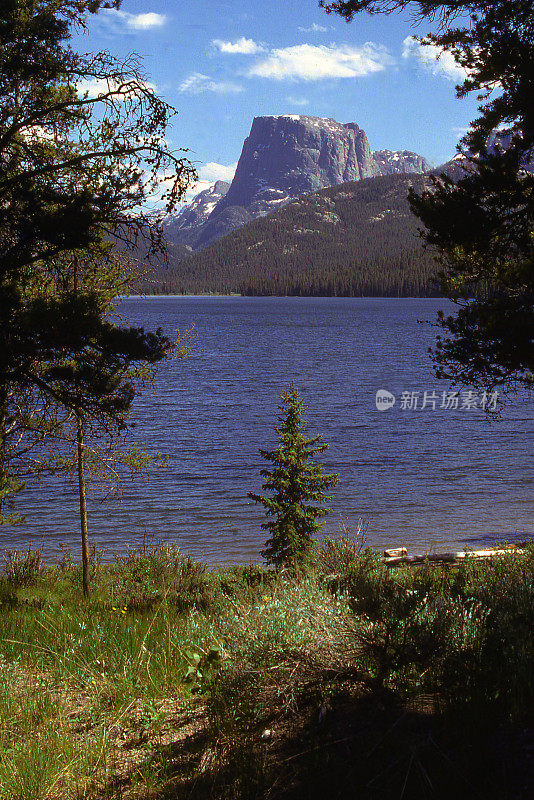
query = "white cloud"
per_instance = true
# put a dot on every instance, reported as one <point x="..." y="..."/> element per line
<point x="314" y="28"/>
<point x="309" y="62"/>
<point x="143" y="22"/>
<point x="217" y="172"/>
<point x="244" y="46"/>
<point x="120" y="21"/>
<point x="99" y="86"/>
<point x="434" y="59"/>
<point x="197" y="83"/>
<point x="154" y="200"/>
<point x="94" y="87"/>
<point x="461" y="131"/>
<point x="298" y="101"/>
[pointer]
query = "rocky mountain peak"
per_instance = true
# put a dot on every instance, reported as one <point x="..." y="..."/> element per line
<point x="284" y="157"/>
<point x="199" y="209"/>
<point x="288" y="155"/>
<point x="400" y="162"/>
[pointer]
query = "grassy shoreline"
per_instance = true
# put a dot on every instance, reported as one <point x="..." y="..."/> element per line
<point x="347" y="680"/>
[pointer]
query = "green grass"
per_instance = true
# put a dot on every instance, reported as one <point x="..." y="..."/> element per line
<point x="348" y="680"/>
<point x="115" y="655"/>
<point x="38" y="753"/>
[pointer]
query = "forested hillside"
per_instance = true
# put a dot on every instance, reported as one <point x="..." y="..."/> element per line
<point x="359" y="238"/>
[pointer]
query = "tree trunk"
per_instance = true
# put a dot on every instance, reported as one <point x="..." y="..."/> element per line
<point x="2" y="449"/>
<point x="83" y="505"/>
<point x="4" y="477"/>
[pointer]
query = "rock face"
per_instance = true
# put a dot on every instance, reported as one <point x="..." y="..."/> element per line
<point x="195" y="213"/>
<point x="399" y="162"/>
<point x="285" y="157"/>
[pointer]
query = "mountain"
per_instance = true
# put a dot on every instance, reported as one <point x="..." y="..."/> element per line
<point x="498" y="140"/>
<point x="354" y="238"/>
<point x="359" y="238"/>
<point x="285" y="157"/>
<point x="400" y="162"/>
<point x="184" y="225"/>
<point x="455" y="169"/>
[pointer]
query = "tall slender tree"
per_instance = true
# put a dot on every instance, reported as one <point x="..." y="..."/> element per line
<point x="81" y="148"/>
<point x="81" y="393"/>
<point x="297" y="487"/>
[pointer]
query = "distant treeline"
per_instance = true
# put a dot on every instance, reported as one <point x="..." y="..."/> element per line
<point x="357" y="239"/>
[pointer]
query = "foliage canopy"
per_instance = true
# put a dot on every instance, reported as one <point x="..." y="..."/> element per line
<point x="82" y="148"/>
<point x="483" y="225"/>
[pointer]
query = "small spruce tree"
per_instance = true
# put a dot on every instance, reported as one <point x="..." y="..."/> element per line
<point x="297" y="485"/>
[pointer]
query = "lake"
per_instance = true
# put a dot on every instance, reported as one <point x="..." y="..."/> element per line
<point x="428" y="478"/>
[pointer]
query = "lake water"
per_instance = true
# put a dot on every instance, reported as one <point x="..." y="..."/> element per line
<point x="427" y="479"/>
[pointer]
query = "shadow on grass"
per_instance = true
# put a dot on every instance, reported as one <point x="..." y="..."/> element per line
<point x="375" y="748"/>
<point x="359" y="744"/>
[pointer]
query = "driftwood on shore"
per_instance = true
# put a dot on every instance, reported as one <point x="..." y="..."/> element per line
<point x="399" y="556"/>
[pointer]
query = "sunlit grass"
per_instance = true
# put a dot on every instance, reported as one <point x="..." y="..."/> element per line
<point x="39" y="751"/>
<point x="111" y="655"/>
<point x="77" y="675"/>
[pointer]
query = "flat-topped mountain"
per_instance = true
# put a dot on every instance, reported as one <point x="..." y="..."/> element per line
<point x="285" y="157"/>
<point x="356" y="237"/>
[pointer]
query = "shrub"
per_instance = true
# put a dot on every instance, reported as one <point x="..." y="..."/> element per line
<point x="22" y="569"/>
<point x="463" y="633"/>
<point x="337" y="556"/>
<point x="144" y="577"/>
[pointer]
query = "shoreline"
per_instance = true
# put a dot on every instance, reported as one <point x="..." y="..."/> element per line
<point x="282" y="296"/>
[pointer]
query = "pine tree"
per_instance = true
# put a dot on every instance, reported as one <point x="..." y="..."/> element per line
<point x="298" y="487"/>
<point x="75" y="166"/>
<point x="481" y="225"/>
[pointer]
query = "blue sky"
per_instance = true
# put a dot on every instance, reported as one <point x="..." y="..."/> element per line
<point x="220" y="63"/>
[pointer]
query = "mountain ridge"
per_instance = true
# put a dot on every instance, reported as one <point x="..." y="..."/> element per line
<point x="284" y="157"/>
<point x="358" y="238"/>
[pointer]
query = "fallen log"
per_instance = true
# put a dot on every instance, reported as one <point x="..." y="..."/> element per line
<point x="399" y="556"/>
<point x="396" y="553"/>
